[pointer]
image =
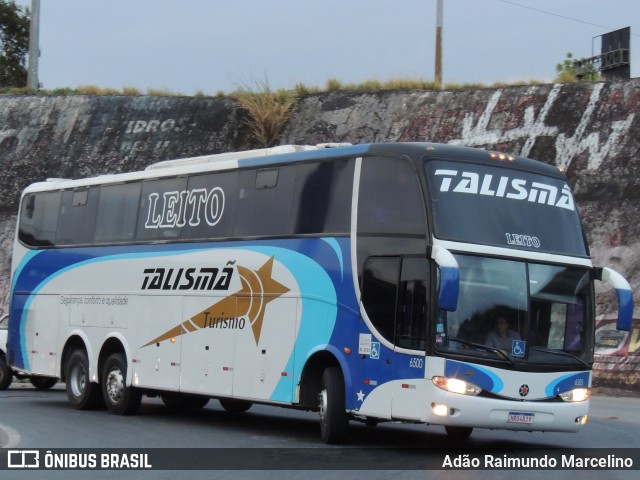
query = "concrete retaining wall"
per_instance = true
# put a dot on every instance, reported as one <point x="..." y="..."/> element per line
<point x="592" y="130"/>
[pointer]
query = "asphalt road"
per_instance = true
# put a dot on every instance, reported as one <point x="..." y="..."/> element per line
<point x="31" y="418"/>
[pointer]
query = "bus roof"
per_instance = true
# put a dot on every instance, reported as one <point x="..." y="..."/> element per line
<point x="284" y="154"/>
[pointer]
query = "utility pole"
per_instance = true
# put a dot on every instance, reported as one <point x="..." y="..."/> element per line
<point x="438" y="73"/>
<point x="34" y="46"/>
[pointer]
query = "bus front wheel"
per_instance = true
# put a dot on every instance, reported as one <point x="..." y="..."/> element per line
<point x="178" y="401"/>
<point x="234" y="406"/>
<point x="120" y="399"/>
<point x="43" y="383"/>
<point x="331" y="405"/>
<point x="459" y="433"/>
<point x="82" y="394"/>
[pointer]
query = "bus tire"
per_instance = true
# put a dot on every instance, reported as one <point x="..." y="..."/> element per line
<point x="5" y="374"/>
<point x="43" y="383"/>
<point x="82" y="394"/>
<point x="331" y="404"/>
<point x="459" y="433"/>
<point x="235" y="406"/>
<point x="119" y="398"/>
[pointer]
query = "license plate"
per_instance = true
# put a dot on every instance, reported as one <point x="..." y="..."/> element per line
<point x="520" y="417"/>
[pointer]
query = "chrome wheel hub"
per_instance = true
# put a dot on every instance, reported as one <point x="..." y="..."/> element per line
<point x="115" y="385"/>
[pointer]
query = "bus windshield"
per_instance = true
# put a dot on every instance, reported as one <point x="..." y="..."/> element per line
<point x="520" y="312"/>
<point x="492" y="205"/>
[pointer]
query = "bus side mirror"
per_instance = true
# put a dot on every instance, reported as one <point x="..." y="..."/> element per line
<point x="624" y="293"/>
<point x="449" y="278"/>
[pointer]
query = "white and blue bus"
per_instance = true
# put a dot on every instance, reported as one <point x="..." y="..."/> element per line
<point x="406" y="282"/>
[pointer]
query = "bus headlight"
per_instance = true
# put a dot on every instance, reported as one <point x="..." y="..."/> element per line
<point x="576" y="395"/>
<point x="455" y="385"/>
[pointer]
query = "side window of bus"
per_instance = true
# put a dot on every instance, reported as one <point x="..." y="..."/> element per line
<point x="322" y="198"/>
<point x="390" y="199"/>
<point x="39" y="219"/>
<point x="395" y="295"/>
<point x="264" y="201"/>
<point x="162" y="209"/>
<point x="411" y="327"/>
<point x="117" y="213"/>
<point x="215" y="218"/>
<point x="77" y="216"/>
<point x="380" y="287"/>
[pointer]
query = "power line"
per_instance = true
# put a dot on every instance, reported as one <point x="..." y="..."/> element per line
<point x="560" y="16"/>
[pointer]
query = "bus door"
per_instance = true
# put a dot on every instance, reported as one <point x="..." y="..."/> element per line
<point x="395" y="300"/>
<point x="411" y="337"/>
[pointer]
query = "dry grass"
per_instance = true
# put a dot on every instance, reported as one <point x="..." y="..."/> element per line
<point x="377" y="85"/>
<point x="130" y="91"/>
<point x="93" y="90"/>
<point x="298" y="91"/>
<point x="267" y="111"/>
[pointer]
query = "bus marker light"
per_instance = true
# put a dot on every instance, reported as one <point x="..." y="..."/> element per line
<point x="582" y="420"/>
<point x="347" y="350"/>
<point x="502" y="156"/>
<point x="440" y="409"/>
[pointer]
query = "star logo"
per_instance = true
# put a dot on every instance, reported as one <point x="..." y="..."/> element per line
<point x="360" y="395"/>
<point x="258" y="290"/>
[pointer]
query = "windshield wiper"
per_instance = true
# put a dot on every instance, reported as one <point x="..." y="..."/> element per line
<point x="561" y="353"/>
<point x="497" y="351"/>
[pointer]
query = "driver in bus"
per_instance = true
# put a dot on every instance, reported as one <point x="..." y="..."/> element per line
<point x="501" y="336"/>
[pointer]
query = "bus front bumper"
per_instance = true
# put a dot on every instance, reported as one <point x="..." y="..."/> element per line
<point x="451" y="409"/>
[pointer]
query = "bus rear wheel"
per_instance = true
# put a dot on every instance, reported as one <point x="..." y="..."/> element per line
<point x="331" y="405"/>
<point x="5" y="374"/>
<point x="119" y="398"/>
<point x="82" y="394"/>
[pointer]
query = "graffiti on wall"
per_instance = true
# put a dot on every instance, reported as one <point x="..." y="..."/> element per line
<point x="138" y="136"/>
<point x="532" y="125"/>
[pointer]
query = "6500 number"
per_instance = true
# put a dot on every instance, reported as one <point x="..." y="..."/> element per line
<point x="416" y="362"/>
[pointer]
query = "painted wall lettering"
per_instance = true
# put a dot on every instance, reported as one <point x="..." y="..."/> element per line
<point x="153" y="126"/>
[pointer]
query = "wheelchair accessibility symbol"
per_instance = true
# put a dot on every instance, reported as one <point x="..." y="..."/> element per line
<point x="517" y="348"/>
<point x="375" y="350"/>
